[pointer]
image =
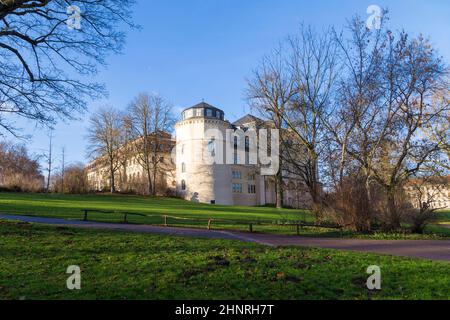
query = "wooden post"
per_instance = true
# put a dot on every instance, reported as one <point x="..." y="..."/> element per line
<point x="85" y="215"/>
<point x="165" y="221"/>
<point x="209" y="224"/>
<point x="251" y="227"/>
<point x="298" y="229"/>
<point x="125" y="218"/>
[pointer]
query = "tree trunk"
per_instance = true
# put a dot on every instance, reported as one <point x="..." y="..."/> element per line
<point x="279" y="189"/>
<point x="113" y="182"/>
<point x="149" y="180"/>
<point x="154" y="181"/>
<point x="393" y="215"/>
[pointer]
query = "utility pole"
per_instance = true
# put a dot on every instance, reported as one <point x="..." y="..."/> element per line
<point x="49" y="161"/>
<point x="63" y="166"/>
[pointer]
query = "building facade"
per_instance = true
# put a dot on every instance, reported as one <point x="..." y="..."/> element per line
<point x="434" y="193"/>
<point x="130" y="175"/>
<point x="205" y="173"/>
<point x="187" y="171"/>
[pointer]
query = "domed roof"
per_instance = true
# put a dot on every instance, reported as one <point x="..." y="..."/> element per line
<point x="203" y="110"/>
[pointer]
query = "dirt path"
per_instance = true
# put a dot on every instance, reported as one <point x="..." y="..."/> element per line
<point x="428" y="249"/>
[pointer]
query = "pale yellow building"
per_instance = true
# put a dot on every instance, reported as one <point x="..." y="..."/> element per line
<point x="202" y="134"/>
<point x="189" y="173"/>
<point x="434" y="192"/>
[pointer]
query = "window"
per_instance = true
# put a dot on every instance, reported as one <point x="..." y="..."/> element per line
<point x="183" y="167"/>
<point x="251" y="177"/>
<point x="247" y="150"/>
<point x="237" y="187"/>
<point x="199" y="112"/>
<point x="212" y="147"/>
<point x="182" y="149"/>
<point x="237" y="174"/>
<point x="183" y="185"/>
<point x="209" y="113"/>
<point x="218" y="116"/>
<point x="251" y="188"/>
<point x="236" y="154"/>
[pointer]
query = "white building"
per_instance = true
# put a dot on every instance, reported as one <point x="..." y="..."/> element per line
<point x="202" y="134"/>
<point x="189" y="173"/>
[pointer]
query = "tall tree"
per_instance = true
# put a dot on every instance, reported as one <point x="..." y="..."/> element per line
<point x="313" y="61"/>
<point x="269" y="92"/>
<point x="151" y="118"/>
<point x="47" y="59"/>
<point x="388" y="89"/>
<point x="105" y="137"/>
<point x="49" y="158"/>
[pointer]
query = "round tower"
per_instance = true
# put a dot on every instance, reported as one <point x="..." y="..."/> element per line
<point x="200" y="136"/>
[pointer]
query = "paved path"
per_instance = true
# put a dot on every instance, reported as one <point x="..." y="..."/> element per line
<point x="428" y="249"/>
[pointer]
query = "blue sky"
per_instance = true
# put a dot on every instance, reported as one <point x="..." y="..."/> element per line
<point x="189" y="50"/>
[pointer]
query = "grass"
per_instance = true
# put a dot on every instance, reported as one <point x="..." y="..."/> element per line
<point x="118" y="265"/>
<point x="71" y="206"/>
<point x="444" y="217"/>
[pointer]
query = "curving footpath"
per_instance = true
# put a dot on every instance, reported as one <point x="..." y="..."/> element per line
<point x="427" y="249"/>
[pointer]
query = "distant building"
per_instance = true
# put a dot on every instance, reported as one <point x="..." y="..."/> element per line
<point x="239" y="183"/>
<point x="434" y="192"/>
<point x="131" y="176"/>
<point x="187" y="175"/>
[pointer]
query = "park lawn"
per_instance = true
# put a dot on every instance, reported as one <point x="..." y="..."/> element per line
<point x="119" y="265"/>
<point x="444" y="216"/>
<point x="71" y="206"/>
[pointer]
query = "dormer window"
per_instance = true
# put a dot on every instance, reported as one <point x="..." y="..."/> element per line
<point x="199" y="112"/>
<point x="209" y="113"/>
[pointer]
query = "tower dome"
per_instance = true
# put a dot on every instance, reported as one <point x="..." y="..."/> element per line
<point x="202" y="110"/>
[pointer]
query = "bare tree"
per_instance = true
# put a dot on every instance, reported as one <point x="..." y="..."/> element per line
<point x="75" y="181"/>
<point x="63" y="167"/>
<point x="314" y="63"/>
<point x="439" y="131"/>
<point x="49" y="158"/>
<point x="105" y="136"/>
<point x="270" y="91"/>
<point x="387" y="89"/>
<point x="151" y="118"/>
<point x="19" y="171"/>
<point x="46" y="58"/>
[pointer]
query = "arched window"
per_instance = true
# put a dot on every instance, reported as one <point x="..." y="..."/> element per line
<point x="183" y="167"/>
<point x="212" y="147"/>
<point x="183" y="185"/>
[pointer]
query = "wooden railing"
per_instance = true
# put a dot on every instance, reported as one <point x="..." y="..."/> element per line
<point x="125" y="214"/>
<point x="209" y="222"/>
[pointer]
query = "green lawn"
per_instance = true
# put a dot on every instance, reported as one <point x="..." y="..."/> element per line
<point x="70" y="206"/>
<point x="444" y="217"/>
<point x="118" y="265"/>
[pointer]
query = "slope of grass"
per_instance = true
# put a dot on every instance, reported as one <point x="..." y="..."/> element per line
<point x="444" y="217"/>
<point x="71" y="206"/>
<point x="117" y="265"/>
